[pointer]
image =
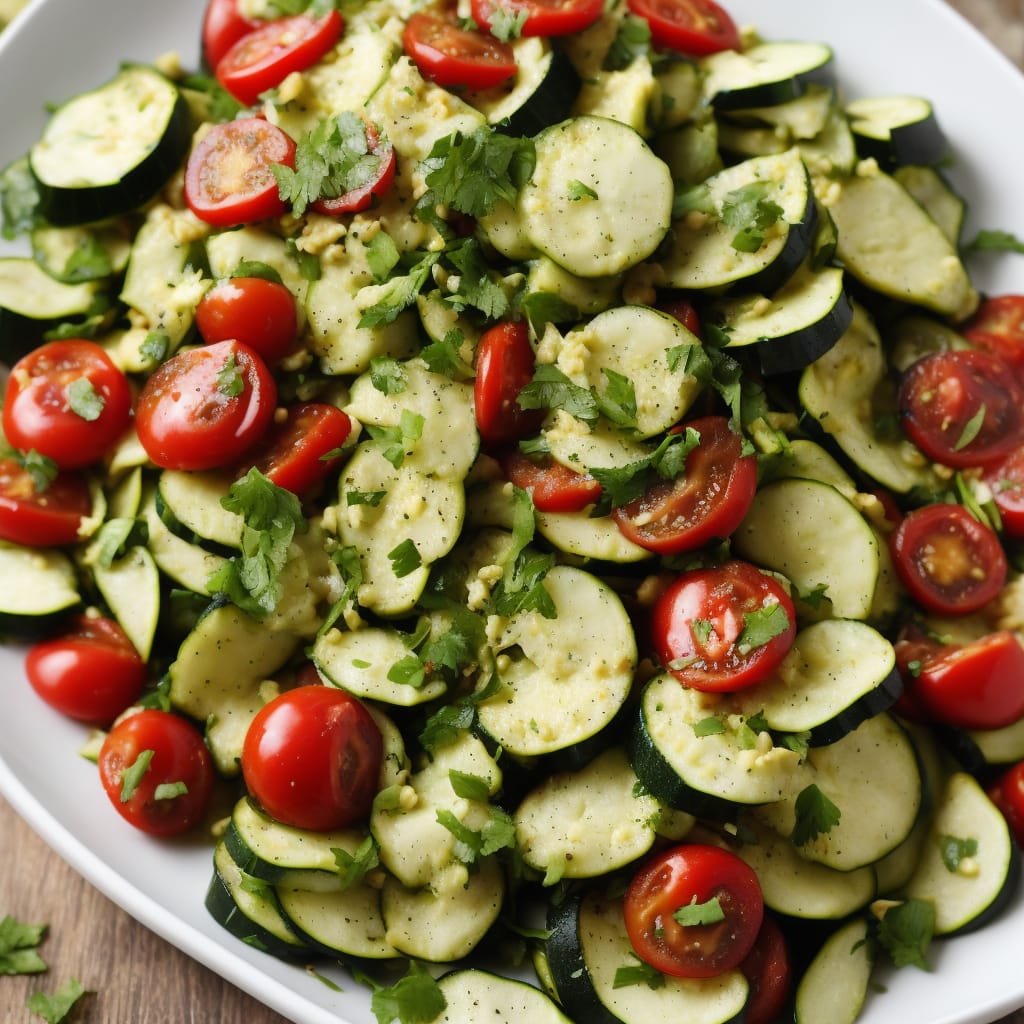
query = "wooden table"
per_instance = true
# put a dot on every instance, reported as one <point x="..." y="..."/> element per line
<point x="87" y="931"/>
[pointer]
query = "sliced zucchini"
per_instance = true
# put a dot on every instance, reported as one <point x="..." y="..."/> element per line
<point x="803" y="117"/>
<point x="28" y="611"/>
<point x="835" y="984"/>
<point x="897" y="130"/>
<point x="472" y="994"/>
<point x="940" y="200"/>
<point x="765" y="74"/>
<point x="585" y="536"/>
<point x="130" y="585"/>
<point x="189" y="504"/>
<point x="182" y="561"/>
<point x="77" y="254"/>
<point x="627" y="95"/>
<point x="347" y="923"/>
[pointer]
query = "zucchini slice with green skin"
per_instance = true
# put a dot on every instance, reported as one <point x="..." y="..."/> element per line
<point x="78" y="254"/>
<point x="765" y="74"/>
<point x="586" y="946"/>
<point x="27" y="612"/>
<point x="835" y="984"/>
<point x="130" y="586"/>
<point x="109" y="151"/>
<point x="897" y="130"/>
<point x="941" y="202"/>
<point x="478" y="995"/>
<point x="189" y="504"/>
<point x="346" y="923"/>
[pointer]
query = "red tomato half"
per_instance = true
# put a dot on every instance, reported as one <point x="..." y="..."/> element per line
<point x="229" y="178"/>
<point x="1005" y="479"/>
<point x="961" y="407"/>
<point x="680" y="307"/>
<point x="312" y="757"/>
<point x="504" y="366"/>
<point x="998" y="327"/>
<point x="172" y="791"/>
<point x="705" y="623"/>
<point x="543" y="17"/>
<point x="1007" y="793"/>
<point x="552" y="486"/>
<point x="259" y="313"/>
<point x="456" y="57"/>
<point x="693" y="27"/>
<point x="686" y="880"/>
<point x="949" y="562"/>
<point x="769" y="973"/>
<point x="68" y="401"/>
<point x="205" y="407"/>
<point x="293" y="454"/>
<point x="707" y="502"/>
<point x="363" y="197"/>
<point x="262" y="59"/>
<point x="91" y="673"/>
<point x="223" y="25"/>
<point x="46" y="518"/>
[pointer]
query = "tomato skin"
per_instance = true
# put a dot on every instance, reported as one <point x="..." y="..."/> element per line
<point x="997" y="326"/>
<point x="950" y="563"/>
<point x="363" y="197"/>
<point x="456" y="57"/>
<point x="685" y="874"/>
<point x="543" y="17"/>
<point x="693" y="27"/>
<point x="179" y="756"/>
<point x="37" y="412"/>
<point x="943" y="395"/>
<point x="223" y="25"/>
<point x="228" y="176"/>
<point x="90" y="673"/>
<point x="259" y="313"/>
<point x="312" y="758"/>
<point x="707" y="502"/>
<point x="719" y="598"/>
<point x="768" y="970"/>
<point x="680" y="307"/>
<point x="41" y="519"/>
<point x="185" y="419"/>
<point x="552" y="486"/>
<point x="504" y="367"/>
<point x="1007" y="793"/>
<point x="292" y="453"/>
<point x="263" y="58"/>
<point x="1005" y="479"/>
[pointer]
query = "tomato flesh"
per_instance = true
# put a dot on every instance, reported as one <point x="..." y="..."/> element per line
<point x="686" y="877"/>
<point x="259" y="313"/>
<point x="41" y="518"/>
<point x="680" y="307"/>
<point x="504" y="366"/>
<point x="541" y="17"/>
<point x="768" y="970"/>
<point x="705" y="623"/>
<point x="693" y="27"/>
<point x="1005" y="480"/>
<point x="173" y="793"/>
<point x="455" y="57"/>
<point x="204" y="407"/>
<point x="90" y="673"/>
<point x="552" y="486"/>
<point x="223" y="25"/>
<point x="997" y="326"/>
<point x="950" y="563"/>
<point x="364" y="196"/>
<point x="229" y="178"/>
<point x="1007" y="793"/>
<point x="312" y="758"/>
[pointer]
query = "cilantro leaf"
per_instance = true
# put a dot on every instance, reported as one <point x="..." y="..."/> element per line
<point x="399" y="293"/>
<point x="354" y="867"/>
<point x="640" y="973"/>
<point x="751" y="212"/>
<point x="694" y="913"/>
<point x="632" y="40"/>
<point x="552" y="389"/>
<point x="84" y="400"/>
<point x="995" y="241"/>
<point x="479" y="286"/>
<point x="414" y="999"/>
<point x="382" y="256"/>
<point x="497" y="833"/>
<point x="169" y="790"/>
<point x="710" y="726"/>
<point x="41" y="468"/>
<point x="954" y="850"/>
<point x="623" y="484"/>
<point x="815" y="815"/>
<point x="19" y="199"/>
<point x="398" y="440"/>
<point x="405" y="558"/>
<point x="53" y="1009"/>
<point x="444" y="356"/>
<point x="507" y="21"/>
<point x="18" y="942"/>
<point x="761" y="626"/>
<point x="388" y="375"/>
<point x="906" y="931"/>
<point x="618" y="400"/>
<point x="579" y="191"/>
<point x="229" y="378"/>
<point x="444" y="726"/>
<point x="155" y="346"/>
<point x="132" y="776"/>
<point x="89" y="262"/>
<point x="469" y="787"/>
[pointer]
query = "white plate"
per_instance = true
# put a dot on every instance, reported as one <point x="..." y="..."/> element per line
<point x="59" y="47"/>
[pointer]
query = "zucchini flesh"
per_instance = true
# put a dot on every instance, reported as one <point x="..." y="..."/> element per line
<point x="835" y="984"/>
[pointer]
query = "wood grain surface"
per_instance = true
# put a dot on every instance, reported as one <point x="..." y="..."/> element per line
<point x="133" y="976"/>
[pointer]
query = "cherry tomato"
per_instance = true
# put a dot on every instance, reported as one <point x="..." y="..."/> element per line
<point x="682" y="309"/>
<point x="504" y="367"/>
<point x="693" y="27"/>
<point x="687" y="881"/>
<point x="90" y="673"/>
<point x="363" y="197"/>
<point x="1007" y="793"/>
<point x="68" y="401"/>
<point x="259" y="313"/>
<point x="707" y="502"/>
<point x="263" y="58"/>
<point x="294" y="454"/>
<point x="1005" y="479"/>
<point x="961" y="407"/>
<point x="223" y="25"/>
<point x="949" y="562"/>
<point x="723" y="628"/>
<point x="41" y="518"/>
<point x="228" y="176"/>
<point x="977" y="685"/>
<point x="456" y="57"/>
<point x="769" y="973"/>
<point x="542" y="17"/>
<point x="157" y="772"/>
<point x="205" y="407"/>
<point x="553" y="487"/>
<point x="998" y="327"/>
<point x="312" y="757"/>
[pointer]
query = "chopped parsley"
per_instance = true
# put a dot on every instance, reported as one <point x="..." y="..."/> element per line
<point x="497" y="833"/>
<point x="640" y="973"/>
<point x="132" y="776"/>
<point x="955" y="850"/>
<point x="84" y="400"/>
<point x="54" y="1009"/>
<point x="815" y="815"/>
<point x="405" y="558"/>
<point x="19" y="942"/>
<point x="906" y="931"/>
<point x="762" y="626"/>
<point x="229" y="378"/>
<point x="415" y="998"/>
<point x="552" y="389"/>
<point x="751" y="212"/>
<point x="354" y="867"/>
<point x="694" y="913"/>
<point x="578" y="190"/>
<point x="624" y="484"/>
<point x="398" y="441"/>
<point x="388" y="375"/>
<point x="399" y="293"/>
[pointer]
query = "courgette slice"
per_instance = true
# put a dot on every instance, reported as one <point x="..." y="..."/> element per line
<point x="897" y="130"/>
<point x="27" y="612"/>
<point x="940" y="200"/>
<point x="479" y="995"/>
<point x="833" y="988"/>
<point x="765" y="74"/>
<point x="347" y="923"/>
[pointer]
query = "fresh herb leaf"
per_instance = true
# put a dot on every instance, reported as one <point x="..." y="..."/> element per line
<point x="552" y="389"/>
<point x="469" y="787"/>
<point x="18" y="947"/>
<point x="497" y="833"/>
<point x="388" y="375"/>
<point x="84" y="400"/>
<point x="694" y="913"/>
<point x="640" y="973"/>
<point x="405" y="558"/>
<point x="19" y="199"/>
<point x="451" y="720"/>
<point x="971" y="429"/>
<point x="752" y="213"/>
<point x="116" y="536"/>
<point x="132" y="776"/>
<point x="41" y="468"/>
<point x="444" y="356"/>
<point x="221" y="105"/>
<point x="710" y="726"/>
<point x="906" y="931"/>
<point x="507" y="22"/>
<point x="762" y="626"/>
<point x="169" y="790"/>
<point x="354" y="867"/>
<point x="996" y="241"/>
<point x="815" y="815"/>
<point x="632" y="40"/>
<point x="229" y="378"/>
<point x="623" y="484"/>
<point x="54" y="1009"/>
<point x="398" y="440"/>
<point x="257" y="268"/>
<point x="479" y="287"/>
<point x="399" y="293"/>
<point x="617" y="401"/>
<point x="382" y="256"/>
<point x="414" y="999"/>
<point x="371" y="498"/>
<point x="308" y="263"/>
<point x="578" y="191"/>
<point x="692" y="199"/>
<point x="543" y="308"/>
<point x="954" y="850"/>
<point x="89" y="262"/>
<point x="155" y="346"/>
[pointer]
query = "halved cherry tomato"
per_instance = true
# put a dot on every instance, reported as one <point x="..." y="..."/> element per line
<point x="677" y="305"/>
<point x="41" y="518"/>
<point x="259" y="313"/>
<point x="294" y="453"/>
<point x="262" y="59"/>
<point x="961" y="407"/>
<point x="229" y="178"/>
<point x="1007" y="793"/>
<point x="204" y="407"/>
<point x="1005" y="479"/>
<point x="453" y="56"/>
<point x="949" y="562"/>
<point x="157" y="772"/>
<point x="68" y="401"/>
<point x="707" y="502"/>
<point x="542" y="17"/>
<point x="312" y="758"/>
<point x="504" y="366"/>
<point x="690" y="882"/>
<point x="723" y="628"/>
<point x="693" y="27"/>
<point x="997" y="326"/>
<point x="362" y="197"/>
<point x="90" y="673"/>
<point x="769" y="973"/>
<point x="223" y="25"/>
<point x="553" y="487"/>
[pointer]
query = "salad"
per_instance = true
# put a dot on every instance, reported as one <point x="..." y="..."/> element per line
<point x="407" y="420"/>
